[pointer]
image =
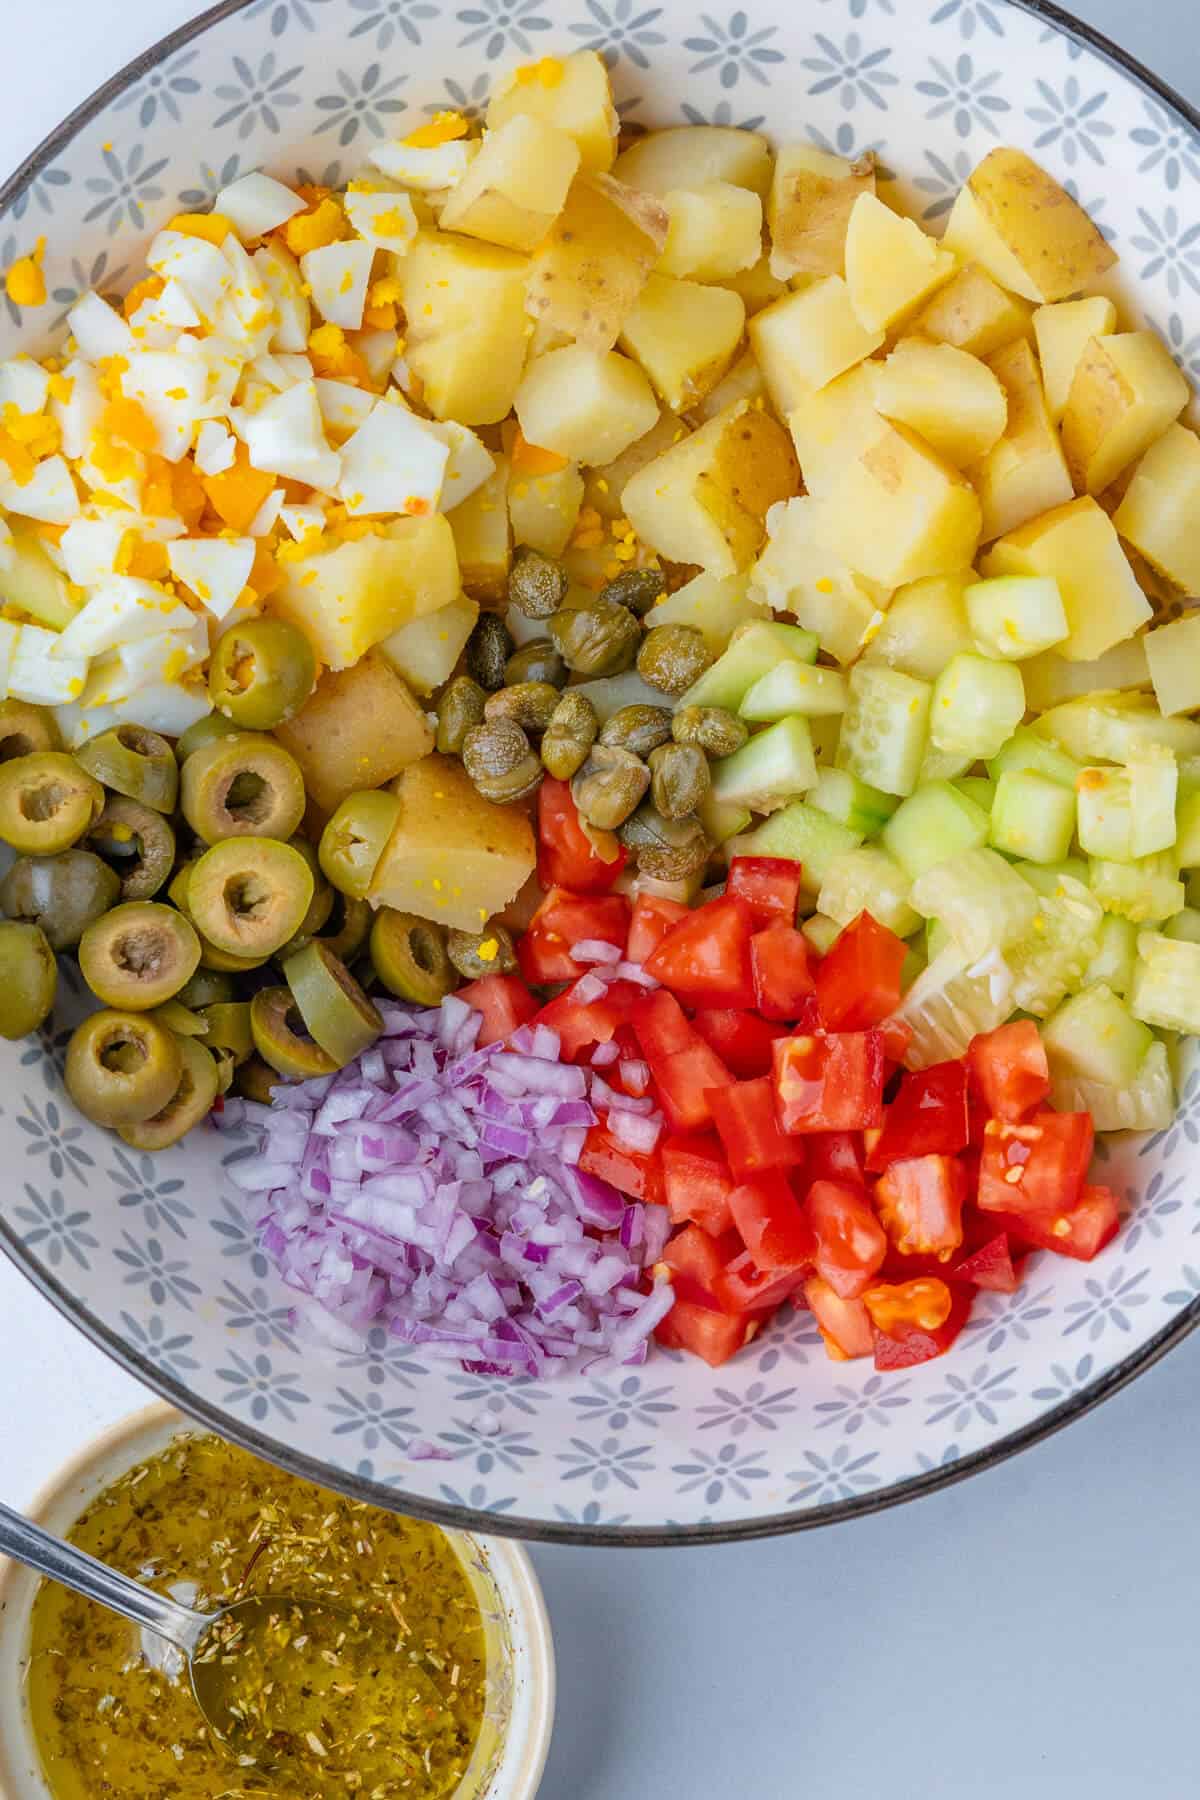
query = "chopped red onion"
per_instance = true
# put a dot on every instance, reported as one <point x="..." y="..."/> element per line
<point x="605" y="1054"/>
<point x="634" y="1131"/>
<point x="595" y="950"/>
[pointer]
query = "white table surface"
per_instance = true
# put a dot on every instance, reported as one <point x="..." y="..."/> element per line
<point x="1029" y="1635"/>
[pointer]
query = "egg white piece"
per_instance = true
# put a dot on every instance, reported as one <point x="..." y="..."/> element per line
<point x="344" y="407"/>
<point x="267" y="517"/>
<point x="298" y="521"/>
<point x="41" y="676"/>
<point x="8" y="556"/>
<point x="247" y="313"/>
<point x="198" y="265"/>
<point x="338" y="276"/>
<point x="257" y="203"/>
<point x="394" y="463"/>
<point x="23" y="384"/>
<point x="9" y="633"/>
<point x="89" y="549"/>
<point x="121" y="610"/>
<point x="216" y="569"/>
<point x="279" y="371"/>
<point x="222" y="363"/>
<point x="98" y="329"/>
<point x="125" y="488"/>
<point x="216" y="448"/>
<point x="173" y="391"/>
<point x="286" y="437"/>
<point x="386" y="220"/>
<point x="470" y="463"/>
<point x="285" y="284"/>
<point x="162" y="658"/>
<point x="378" y="351"/>
<point x="165" y="706"/>
<point x="78" y="415"/>
<point x="427" y="170"/>
<point x="49" y="495"/>
<point x="157" y="322"/>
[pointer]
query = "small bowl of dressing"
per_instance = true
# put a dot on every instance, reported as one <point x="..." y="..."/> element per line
<point x="91" y="1708"/>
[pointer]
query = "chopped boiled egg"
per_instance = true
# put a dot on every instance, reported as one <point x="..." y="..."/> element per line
<point x="166" y="656"/>
<point x="339" y="275"/>
<point x="166" y="706"/>
<point x="173" y="391"/>
<point x="267" y="517"/>
<point x="247" y="313"/>
<point x="90" y="548"/>
<point x="394" y="463"/>
<point x="378" y="351"/>
<point x="257" y="203"/>
<point x="427" y="170"/>
<point x="76" y="406"/>
<point x="298" y="521"/>
<point x="222" y="363"/>
<point x="157" y="322"/>
<point x="198" y="265"/>
<point x="121" y="610"/>
<point x="8" y="554"/>
<point x="39" y="674"/>
<point x="9" y="633"/>
<point x="470" y="464"/>
<point x="279" y="372"/>
<point x="386" y="220"/>
<point x="49" y="495"/>
<point x="344" y="407"/>
<point x="286" y="437"/>
<point x="285" y="284"/>
<point x="216" y="448"/>
<point x="23" y="384"/>
<point x="98" y="330"/>
<point x="215" y="569"/>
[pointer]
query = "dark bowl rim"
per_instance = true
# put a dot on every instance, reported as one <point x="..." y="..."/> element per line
<point x="466" y="1518"/>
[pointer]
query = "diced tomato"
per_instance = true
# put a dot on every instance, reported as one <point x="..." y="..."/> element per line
<point x="744" y="1115"/>
<point x="1011" y="1068"/>
<point x="661" y="1025"/>
<point x="742" y="1287"/>
<point x="836" y="1156"/>
<point x="783" y="976"/>
<point x="845" y="1325"/>
<point x="851" y="1243"/>
<point x="563" y="920"/>
<point x="897" y="1036"/>
<point x="634" y="1172"/>
<point x="696" y="1261"/>
<point x="921" y="1204"/>
<point x="990" y="1267"/>
<point x="582" y="1024"/>
<point x="770" y="886"/>
<point x="712" y="1336"/>
<point x="928" y="1116"/>
<point x="706" y="957"/>
<point x="858" y="982"/>
<point x="771" y="1225"/>
<point x="1080" y="1231"/>
<point x="741" y="1039"/>
<point x="830" y="1083"/>
<point x="1037" y="1167"/>
<point x="652" y="918"/>
<point x="566" y="855"/>
<point x="685" y="1081"/>
<point x="505" y="1003"/>
<point x="910" y="1310"/>
<point x="698" y="1182"/>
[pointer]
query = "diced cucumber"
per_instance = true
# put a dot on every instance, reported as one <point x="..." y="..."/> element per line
<point x="845" y="797"/>
<point x="609" y="693"/>
<point x="1153" y="792"/>
<point x="977" y="705"/>
<point x="1147" y="891"/>
<point x="1187" y="826"/>
<point x="1051" y="960"/>
<point x="825" y="735"/>
<point x="1032" y="817"/>
<point x="793" y="687"/>
<point x="943" y="765"/>
<point x="754" y="650"/>
<point x="1166" y="983"/>
<point x="1147" y="1103"/>
<point x="822" y="933"/>
<point x="868" y="880"/>
<point x="1184" y="927"/>
<point x="983" y="902"/>
<point x="1192" y="891"/>
<point x="1094" y="1037"/>
<point x="952" y="1002"/>
<point x="1051" y="680"/>
<point x="923" y="628"/>
<point x="1047" y="878"/>
<point x="914" y="965"/>
<point x="1015" y="616"/>
<point x="978" y="789"/>
<point x="1114" y="961"/>
<point x="807" y="836"/>
<point x="1172" y="653"/>
<point x="938" y="937"/>
<point x="721" y="822"/>
<point x="773" y="767"/>
<point x="935" y="823"/>
<point x="885" y="728"/>
<point x="1111" y="727"/>
<point x="1025" y="750"/>
<point x="1105" y="804"/>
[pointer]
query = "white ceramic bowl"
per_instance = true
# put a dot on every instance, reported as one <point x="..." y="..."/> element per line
<point x="515" y="1739"/>
<point x="148" y="1255"/>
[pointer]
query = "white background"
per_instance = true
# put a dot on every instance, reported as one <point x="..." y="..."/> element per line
<point x="1029" y="1634"/>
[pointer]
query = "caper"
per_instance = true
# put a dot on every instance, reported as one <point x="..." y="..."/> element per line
<point x="136" y="842"/>
<point x="488" y="649"/>
<point x="672" y="657"/>
<point x="536" y="661"/>
<point x="355" y="838"/>
<point x="249" y="895"/>
<point x="679" y="779"/>
<point x="192" y="1101"/>
<point x="638" y="729"/>
<point x="350" y="926"/>
<point x="135" y="762"/>
<point x="569" y="735"/>
<point x="460" y="707"/>
<point x="715" y="731"/>
<point x="257" y="1080"/>
<point x="207" y="730"/>
<point x="229" y="1028"/>
<point x="667" y="849"/>
<point x="138" y="955"/>
<point x="281" y="1037"/>
<point x="261" y="673"/>
<point x="530" y="704"/>
<point x="28" y="979"/>
<point x="336" y="1012"/>
<point x="638" y="589"/>
<point x="609" y="786"/>
<point x="47" y="802"/>
<point x="595" y="638"/>
<point x="242" y="786"/>
<point x="409" y="956"/>
<point x="122" y="1067"/>
<point x="24" y="729"/>
<point x="536" y="585"/>
<point x="478" y="953"/>
<point x="498" y="758"/>
<point x="207" y="987"/>
<point x="62" y="894"/>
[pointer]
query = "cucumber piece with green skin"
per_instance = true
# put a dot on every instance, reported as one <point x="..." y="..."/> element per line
<point x="978" y="789"/>
<point x="1148" y="891"/>
<point x="1052" y="959"/>
<point x="803" y="834"/>
<point x="793" y="687"/>
<point x="943" y="765"/>
<point x="1115" y="960"/>
<point x="932" y="825"/>
<point x="980" y="898"/>
<point x="1093" y="1036"/>
<point x="1026" y="751"/>
<point x="1032" y="817"/>
<point x="885" y="728"/>
<point x="1184" y="927"/>
<point x="1015" y="616"/>
<point x="1147" y="1103"/>
<point x="978" y="703"/>
<point x="938" y="937"/>
<point x="843" y="796"/>
<point x="1166" y="983"/>
<point x="1105" y="806"/>
<point x="1154" y="793"/>
<point x="754" y="650"/>
<point x="951" y="1002"/>
<point x="1187" y="830"/>
<point x="868" y="880"/>
<point x="772" y="768"/>
<point x="1110" y="727"/>
<point x="721" y="821"/>
<point x="822" y="933"/>
<point x="1047" y="878"/>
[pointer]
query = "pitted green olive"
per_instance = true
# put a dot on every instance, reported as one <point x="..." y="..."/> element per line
<point x="47" y="802"/>
<point x="192" y="1101"/>
<point x="138" y="955"/>
<point x="62" y="894"/>
<point x="249" y="895"/>
<point x="136" y="842"/>
<point x="242" y="786"/>
<point x="135" y="762"/>
<point x="28" y="979"/>
<point x="122" y="1067"/>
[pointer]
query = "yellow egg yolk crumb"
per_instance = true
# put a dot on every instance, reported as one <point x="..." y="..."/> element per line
<point x="25" y="283"/>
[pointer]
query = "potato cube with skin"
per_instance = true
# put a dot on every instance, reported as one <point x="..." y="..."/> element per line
<point x="975" y="314"/>
<point x="588" y="406"/>
<point x="744" y="381"/>
<point x="358" y="729"/>
<point x="808" y="339"/>
<point x="690" y="155"/>
<point x="516" y="187"/>
<point x="715" y="230"/>
<point x="1063" y="332"/>
<point x="1024" y="228"/>
<point x="898" y="511"/>
<point x="684" y="335"/>
<point x="1160" y="514"/>
<point x="798" y="574"/>
<point x="891" y="264"/>
<point x="348" y="597"/>
<point x="425" y="650"/>
<point x="482" y="538"/>
<point x="1173" y="655"/>
<point x="586" y="274"/>
<point x="832" y="425"/>
<point x="952" y="400"/>
<point x="464" y="303"/>
<point x="812" y="196"/>
<point x="573" y="94"/>
<point x="544" y="508"/>
<point x="1125" y="393"/>
<point x="1078" y="545"/>
<point x="604" y="484"/>
<point x="1025" y="473"/>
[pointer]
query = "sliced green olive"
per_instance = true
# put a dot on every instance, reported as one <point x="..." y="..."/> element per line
<point x="319" y="907"/>
<point x="355" y="838"/>
<point x="47" y="802"/>
<point x="206" y="988"/>
<point x="136" y="762"/>
<point x="207" y="730"/>
<point x="478" y="953"/>
<point x="281" y="1037"/>
<point x="409" y="956"/>
<point x="334" y="1008"/>
<point x="25" y="729"/>
<point x="223" y="962"/>
<point x="261" y="673"/>
<point x="177" y="887"/>
<point x="62" y="894"/>
<point x="138" y="955"/>
<point x="228" y="1028"/>
<point x="28" y="979"/>
<point x="351" y="923"/>
<point x="242" y="786"/>
<point x="180" y="1019"/>
<point x="136" y="842"/>
<point x="192" y="1101"/>
<point x="249" y="895"/>
<point x="256" y="1079"/>
<point x="122" y="1067"/>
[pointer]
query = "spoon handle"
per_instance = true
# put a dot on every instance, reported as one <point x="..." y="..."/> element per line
<point x="28" y="1543"/>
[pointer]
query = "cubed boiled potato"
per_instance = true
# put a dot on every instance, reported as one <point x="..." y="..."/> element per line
<point x="482" y="538"/>
<point x="744" y="381"/>
<point x="834" y="424"/>
<point x="425" y="650"/>
<point x="543" y="509"/>
<point x="1126" y="391"/>
<point x="358" y="729"/>
<point x="604" y="485"/>
<point x="1063" y="332"/>
<point x="808" y="339"/>
<point x="516" y="186"/>
<point x="705" y="499"/>
<point x="1026" y="472"/>
<point x="812" y="196"/>
<point x="891" y="264"/>
<point x="464" y="303"/>
<point x="897" y="511"/>
<point x="975" y="314"/>
<point x="349" y="596"/>
<point x="1024" y="228"/>
<point x="573" y="94"/>
<point x="689" y="155"/>
<point x="951" y="399"/>
<point x="715" y="231"/>
<point x="1078" y="546"/>
<point x="684" y="335"/>
<point x="925" y="627"/>
<point x="1160" y="514"/>
<point x="587" y="405"/>
<point x="586" y="274"/>
<point x="756" y="286"/>
<point x="713" y="607"/>
<point x="453" y="856"/>
<point x="797" y="573"/>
